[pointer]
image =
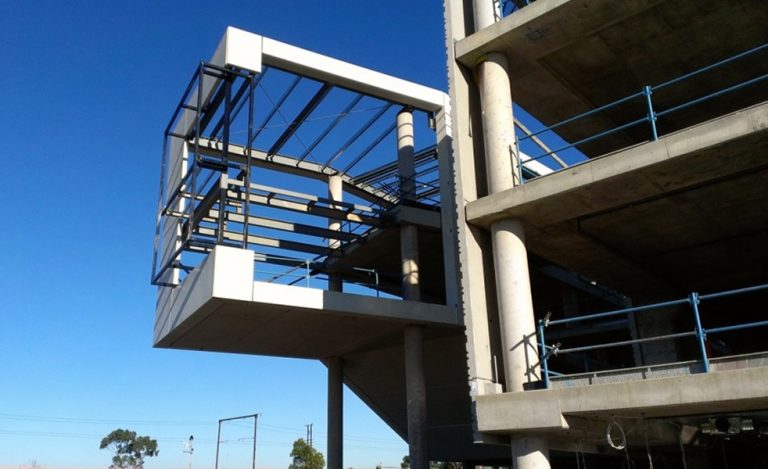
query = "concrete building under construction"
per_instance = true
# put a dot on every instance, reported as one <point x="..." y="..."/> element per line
<point x="562" y="258"/>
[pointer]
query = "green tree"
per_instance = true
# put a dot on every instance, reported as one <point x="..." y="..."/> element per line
<point x="128" y="449"/>
<point x="406" y="462"/>
<point x="305" y="456"/>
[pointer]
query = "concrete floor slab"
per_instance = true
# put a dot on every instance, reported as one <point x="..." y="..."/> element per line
<point x="705" y="393"/>
<point x="570" y="56"/>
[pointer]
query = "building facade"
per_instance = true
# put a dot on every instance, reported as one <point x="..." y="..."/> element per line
<point x="564" y="255"/>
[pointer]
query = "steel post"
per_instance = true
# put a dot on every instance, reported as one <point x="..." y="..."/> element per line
<point x="543" y="354"/>
<point x="648" y="91"/>
<point x="701" y="335"/>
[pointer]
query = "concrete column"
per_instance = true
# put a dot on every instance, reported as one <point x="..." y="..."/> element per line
<point x="530" y="453"/>
<point x="335" y="193"/>
<point x="498" y="123"/>
<point x="406" y="165"/>
<point x="409" y="236"/>
<point x="486" y="12"/>
<point x="409" y="259"/>
<point x="335" y="413"/>
<point x="416" y="395"/>
<point x="415" y="386"/>
<point x="513" y="289"/>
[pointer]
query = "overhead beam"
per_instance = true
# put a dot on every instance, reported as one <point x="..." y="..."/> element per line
<point x="353" y="77"/>
<point x="270" y="223"/>
<point x="287" y="164"/>
<point x="299" y="119"/>
<point x="266" y="241"/>
<point x="305" y="208"/>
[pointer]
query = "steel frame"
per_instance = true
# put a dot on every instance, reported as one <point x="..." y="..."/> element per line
<point x="207" y="191"/>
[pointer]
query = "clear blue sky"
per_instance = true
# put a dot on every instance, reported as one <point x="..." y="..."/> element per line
<point x="85" y="91"/>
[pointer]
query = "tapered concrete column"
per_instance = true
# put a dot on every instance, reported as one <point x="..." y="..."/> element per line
<point x="415" y="387"/>
<point x="335" y="413"/>
<point x="335" y="193"/>
<point x="416" y="395"/>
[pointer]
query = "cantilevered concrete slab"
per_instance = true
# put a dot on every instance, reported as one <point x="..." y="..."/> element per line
<point x="657" y="217"/>
<point x="569" y="56"/>
<point x="219" y="307"/>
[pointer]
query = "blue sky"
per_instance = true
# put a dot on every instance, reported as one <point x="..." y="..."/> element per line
<point x="86" y="89"/>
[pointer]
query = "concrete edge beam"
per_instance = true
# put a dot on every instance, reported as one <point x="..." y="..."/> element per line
<point x="517" y="201"/>
<point x="561" y="15"/>
<point x="706" y="393"/>
<point x="226" y="276"/>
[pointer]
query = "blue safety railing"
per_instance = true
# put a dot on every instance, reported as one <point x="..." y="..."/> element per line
<point x="700" y="332"/>
<point x="645" y="97"/>
<point x="508" y="7"/>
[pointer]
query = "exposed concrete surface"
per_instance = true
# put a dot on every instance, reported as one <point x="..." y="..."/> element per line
<point x="570" y="56"/>
<point x="376" y="251"/>
<point x="722" y="391"/>
<point x="652" y="220"/>
<point x="643" y="171"/>
<point x="335" y="449"/>
<point x="219" y="307"/>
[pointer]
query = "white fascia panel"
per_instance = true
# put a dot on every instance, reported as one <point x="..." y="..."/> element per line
<point x="239" y="49"/>
<point x="233" y="273"/>
<point x="346" y="75"/>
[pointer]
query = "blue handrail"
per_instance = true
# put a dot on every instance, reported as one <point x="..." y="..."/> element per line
<point x="652" y="115"/>
<point x="693" y="300"/>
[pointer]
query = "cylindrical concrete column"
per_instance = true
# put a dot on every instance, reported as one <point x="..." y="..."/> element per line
<point x="416" y="395"/>
<point x="409" y="259"/>
<point x="530" y="453"/>
<point x="415" y="386"/>
<point x="406" y="165"/>
<point x="486" y="13"/>
<point x="498" y="123"/>
<point x="510" y="256"/>
<point x="335" y="193"/>
<point x="335" y="413"/>
<point x="409" y="236"/>
<point x="518" y="328"/>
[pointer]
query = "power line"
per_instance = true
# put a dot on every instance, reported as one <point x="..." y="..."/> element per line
<point x="81" y="420"/>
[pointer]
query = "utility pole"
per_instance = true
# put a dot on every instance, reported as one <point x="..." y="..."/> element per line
<point x="309" y="434"/>
<point x="255" y="418"/>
